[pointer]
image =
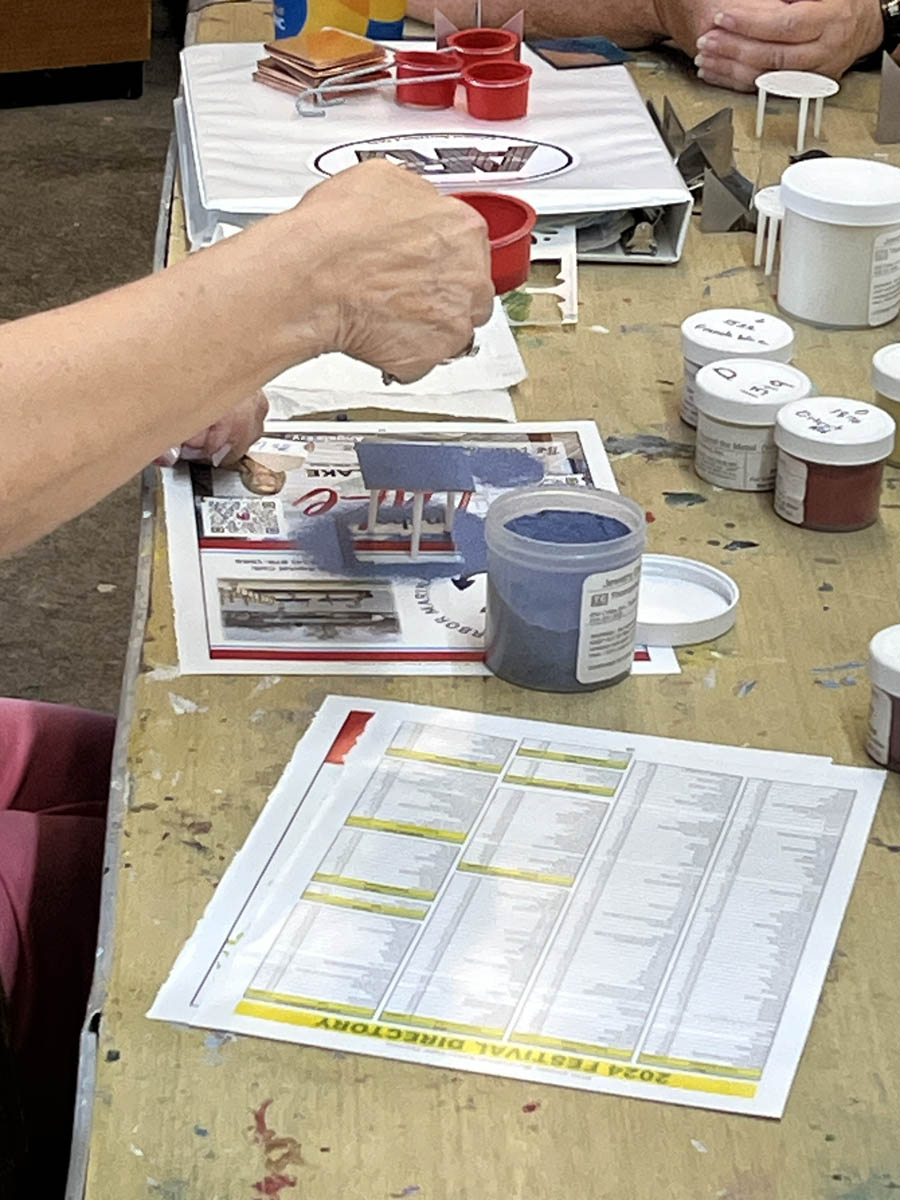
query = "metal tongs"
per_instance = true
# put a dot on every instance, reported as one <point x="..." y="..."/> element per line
<point x="312" y="103"/>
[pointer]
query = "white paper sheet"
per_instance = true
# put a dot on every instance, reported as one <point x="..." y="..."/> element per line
<point x="573" y="906"/>
<point x="245" y="596"/>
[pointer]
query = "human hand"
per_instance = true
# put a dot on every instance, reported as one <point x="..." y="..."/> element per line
<point x="685" y="21"/>
<point x="749" y="37"/>
<point x="402" y="273"/>
<point x="224" y="443"/>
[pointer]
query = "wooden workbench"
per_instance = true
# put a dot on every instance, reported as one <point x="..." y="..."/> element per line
<point x="173" y="1111"/>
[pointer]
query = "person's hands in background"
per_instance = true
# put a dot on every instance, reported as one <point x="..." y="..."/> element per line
<point x="224" y="443"/>
<point x="686" y="21"/>
<point x="748" y="37"/>
<point x="408" y="270"/>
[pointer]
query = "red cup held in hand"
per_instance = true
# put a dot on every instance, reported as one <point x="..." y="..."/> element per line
<point x="510" y="222"/>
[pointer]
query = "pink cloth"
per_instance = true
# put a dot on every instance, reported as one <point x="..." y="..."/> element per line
<point x="54" y="778"/>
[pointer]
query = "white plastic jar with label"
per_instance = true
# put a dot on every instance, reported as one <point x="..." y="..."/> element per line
<point x="840" y="242"/>
<point x="720" y="333"/>
<point x="883" y="733"/>
<point x="737" y="402"/>
<point x="831" y="455"/>
<point x="886" y="381"/>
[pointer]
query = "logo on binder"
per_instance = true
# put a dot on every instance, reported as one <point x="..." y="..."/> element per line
<point x="455" y="160"/>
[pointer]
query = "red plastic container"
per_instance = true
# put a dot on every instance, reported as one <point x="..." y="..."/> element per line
<point x="510" y="222"/>
<point x="485" y="45"/>
<point x="497" y="91"/>
<point x="413" y="64"/>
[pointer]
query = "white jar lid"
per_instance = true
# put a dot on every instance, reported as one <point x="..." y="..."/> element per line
<point x="749" y="391"/>
<point x="728" y="332"/>
<point x="683" y="601"/>
<point x="886" y="371"/>
<point x="834" y="431"/>
<point x="884" y="659"/>
<point x="844" y="191"/>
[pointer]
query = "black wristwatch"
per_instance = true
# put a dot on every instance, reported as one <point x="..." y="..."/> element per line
<point x="890" y="15"/>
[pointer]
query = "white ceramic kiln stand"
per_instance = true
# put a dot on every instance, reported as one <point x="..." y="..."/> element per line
<point x="795" y="85"/>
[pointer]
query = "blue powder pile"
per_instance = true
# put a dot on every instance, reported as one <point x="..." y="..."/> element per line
<point x="566" y="527"/>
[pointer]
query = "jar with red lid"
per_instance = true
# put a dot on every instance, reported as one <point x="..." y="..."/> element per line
<point x="831" y="455"/>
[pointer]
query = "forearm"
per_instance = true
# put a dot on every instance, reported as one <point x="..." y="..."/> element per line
<point x="631" y="23"/>
<point x="91" y="393"/>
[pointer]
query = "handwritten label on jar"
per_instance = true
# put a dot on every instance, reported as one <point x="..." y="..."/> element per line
<point x="884" y="296"/>
<point x="832" y="420"/>
<point x="609" y="601"/>
<point x="790" y="488"/>
<point x="732" y="332"/>
<point x="757" y="381"/>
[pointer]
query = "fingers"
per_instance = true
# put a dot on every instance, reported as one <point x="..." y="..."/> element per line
<point x="717" y="47"/>
<point x="727" y="73"/>
<point x="226" y="442"/>
<point x="801" y="21"/>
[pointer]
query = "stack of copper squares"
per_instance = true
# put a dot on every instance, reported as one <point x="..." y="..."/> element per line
<point x="296" y="64"/>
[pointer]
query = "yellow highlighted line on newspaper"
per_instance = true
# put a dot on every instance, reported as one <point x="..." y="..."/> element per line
<point x="582" y="760"/>
<point x="443" y="760"/>
<point x="476" y="1047"/>
<point x="384" y="910"/>
<point x="516" y="873"/>
<point x="423" y="831"/>
<point x="560" y="785"/>
<point x="349" y="1010"/>
<point x="366" y="885"/>
<point x="552" y="1043"/>
<point x="443" y="1026"/>
<point x="690" y="1064"/>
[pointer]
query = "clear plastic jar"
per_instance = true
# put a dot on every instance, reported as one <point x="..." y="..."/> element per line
<point x="831" y="455"/>
<point x="563" y="576"/>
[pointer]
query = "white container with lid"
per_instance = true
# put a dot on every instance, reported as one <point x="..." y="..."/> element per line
<point x="886" y="381"/>
<point x="831" y="454"/>
<point x="729" y="333"/>
<point x="883" y="734"/>
<point x="840" y="242"/>
<point x="737" y="401"/>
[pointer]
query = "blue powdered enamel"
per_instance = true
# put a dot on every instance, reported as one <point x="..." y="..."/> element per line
<point x="534" y="612"/>
<point x="565" y="527"/>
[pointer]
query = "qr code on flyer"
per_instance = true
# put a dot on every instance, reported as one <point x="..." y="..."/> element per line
<point x="227" y="517"/>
